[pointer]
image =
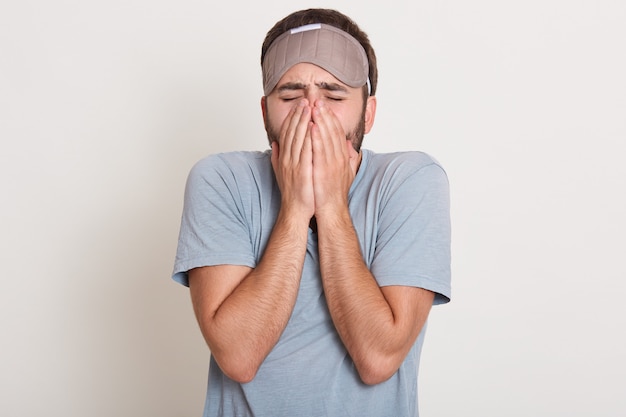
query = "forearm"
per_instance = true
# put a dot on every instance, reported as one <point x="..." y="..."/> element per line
<point x="244" y="328"/>
<point x="374" y="335"/>
<point x="248" y="318"/>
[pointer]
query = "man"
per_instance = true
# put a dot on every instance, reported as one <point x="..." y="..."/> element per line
<point x="313" y="267"/>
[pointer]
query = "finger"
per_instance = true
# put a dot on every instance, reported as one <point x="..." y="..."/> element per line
<point x="355" y="157"/>
<point x="284" y="131"/>
<point x="331" y="132"/>
<point x="275" y="152"/>
<point x="306" y="156"/>
<point x="301" y="131"/>
<point x="290" y="128"/>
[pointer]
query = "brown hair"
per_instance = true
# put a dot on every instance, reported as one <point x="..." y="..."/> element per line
<point x="329" y="17"/>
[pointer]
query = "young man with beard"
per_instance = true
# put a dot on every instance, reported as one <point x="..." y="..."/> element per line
<point x="313" y="267"/>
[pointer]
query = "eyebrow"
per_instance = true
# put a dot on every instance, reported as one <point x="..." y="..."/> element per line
<point x="322" y="85"/>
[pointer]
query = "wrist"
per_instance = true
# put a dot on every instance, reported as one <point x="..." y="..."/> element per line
<point x="294" y="217"/>
<point x="333" y="216"/>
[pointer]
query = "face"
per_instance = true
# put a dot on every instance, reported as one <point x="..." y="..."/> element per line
<point x="308" y="81"/>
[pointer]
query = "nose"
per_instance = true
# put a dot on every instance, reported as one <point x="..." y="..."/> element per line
<point x="313" y="95"/>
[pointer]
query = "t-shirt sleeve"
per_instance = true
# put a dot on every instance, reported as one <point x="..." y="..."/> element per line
<point x="413" y="242"/>
<point x="213" y="227"/>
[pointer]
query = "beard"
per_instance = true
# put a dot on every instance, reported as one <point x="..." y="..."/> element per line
<point x="355" y="135"/>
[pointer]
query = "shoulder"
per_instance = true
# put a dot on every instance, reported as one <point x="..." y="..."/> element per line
<point x="231" y="170"/>
<point x="403" y="164"/>
<point x="233" y="161"/>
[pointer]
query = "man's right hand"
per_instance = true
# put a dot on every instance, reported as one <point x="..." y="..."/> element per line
<point x="292" y="160"/>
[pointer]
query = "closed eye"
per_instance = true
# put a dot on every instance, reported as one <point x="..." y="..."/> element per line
<point x="290" y="91"/>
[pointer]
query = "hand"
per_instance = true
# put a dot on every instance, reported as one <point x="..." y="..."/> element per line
<point x="335" y="161"/>
<point x="292" y="160"/>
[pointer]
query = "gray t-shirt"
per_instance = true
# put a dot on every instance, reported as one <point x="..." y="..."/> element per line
<point x="399" y="203"/>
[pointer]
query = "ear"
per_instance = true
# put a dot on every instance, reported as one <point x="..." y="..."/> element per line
<point x="264" y="110"/>
<point x="370" y="113"/>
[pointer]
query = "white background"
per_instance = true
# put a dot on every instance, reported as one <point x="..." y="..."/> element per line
<point x="104" y="107"/>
